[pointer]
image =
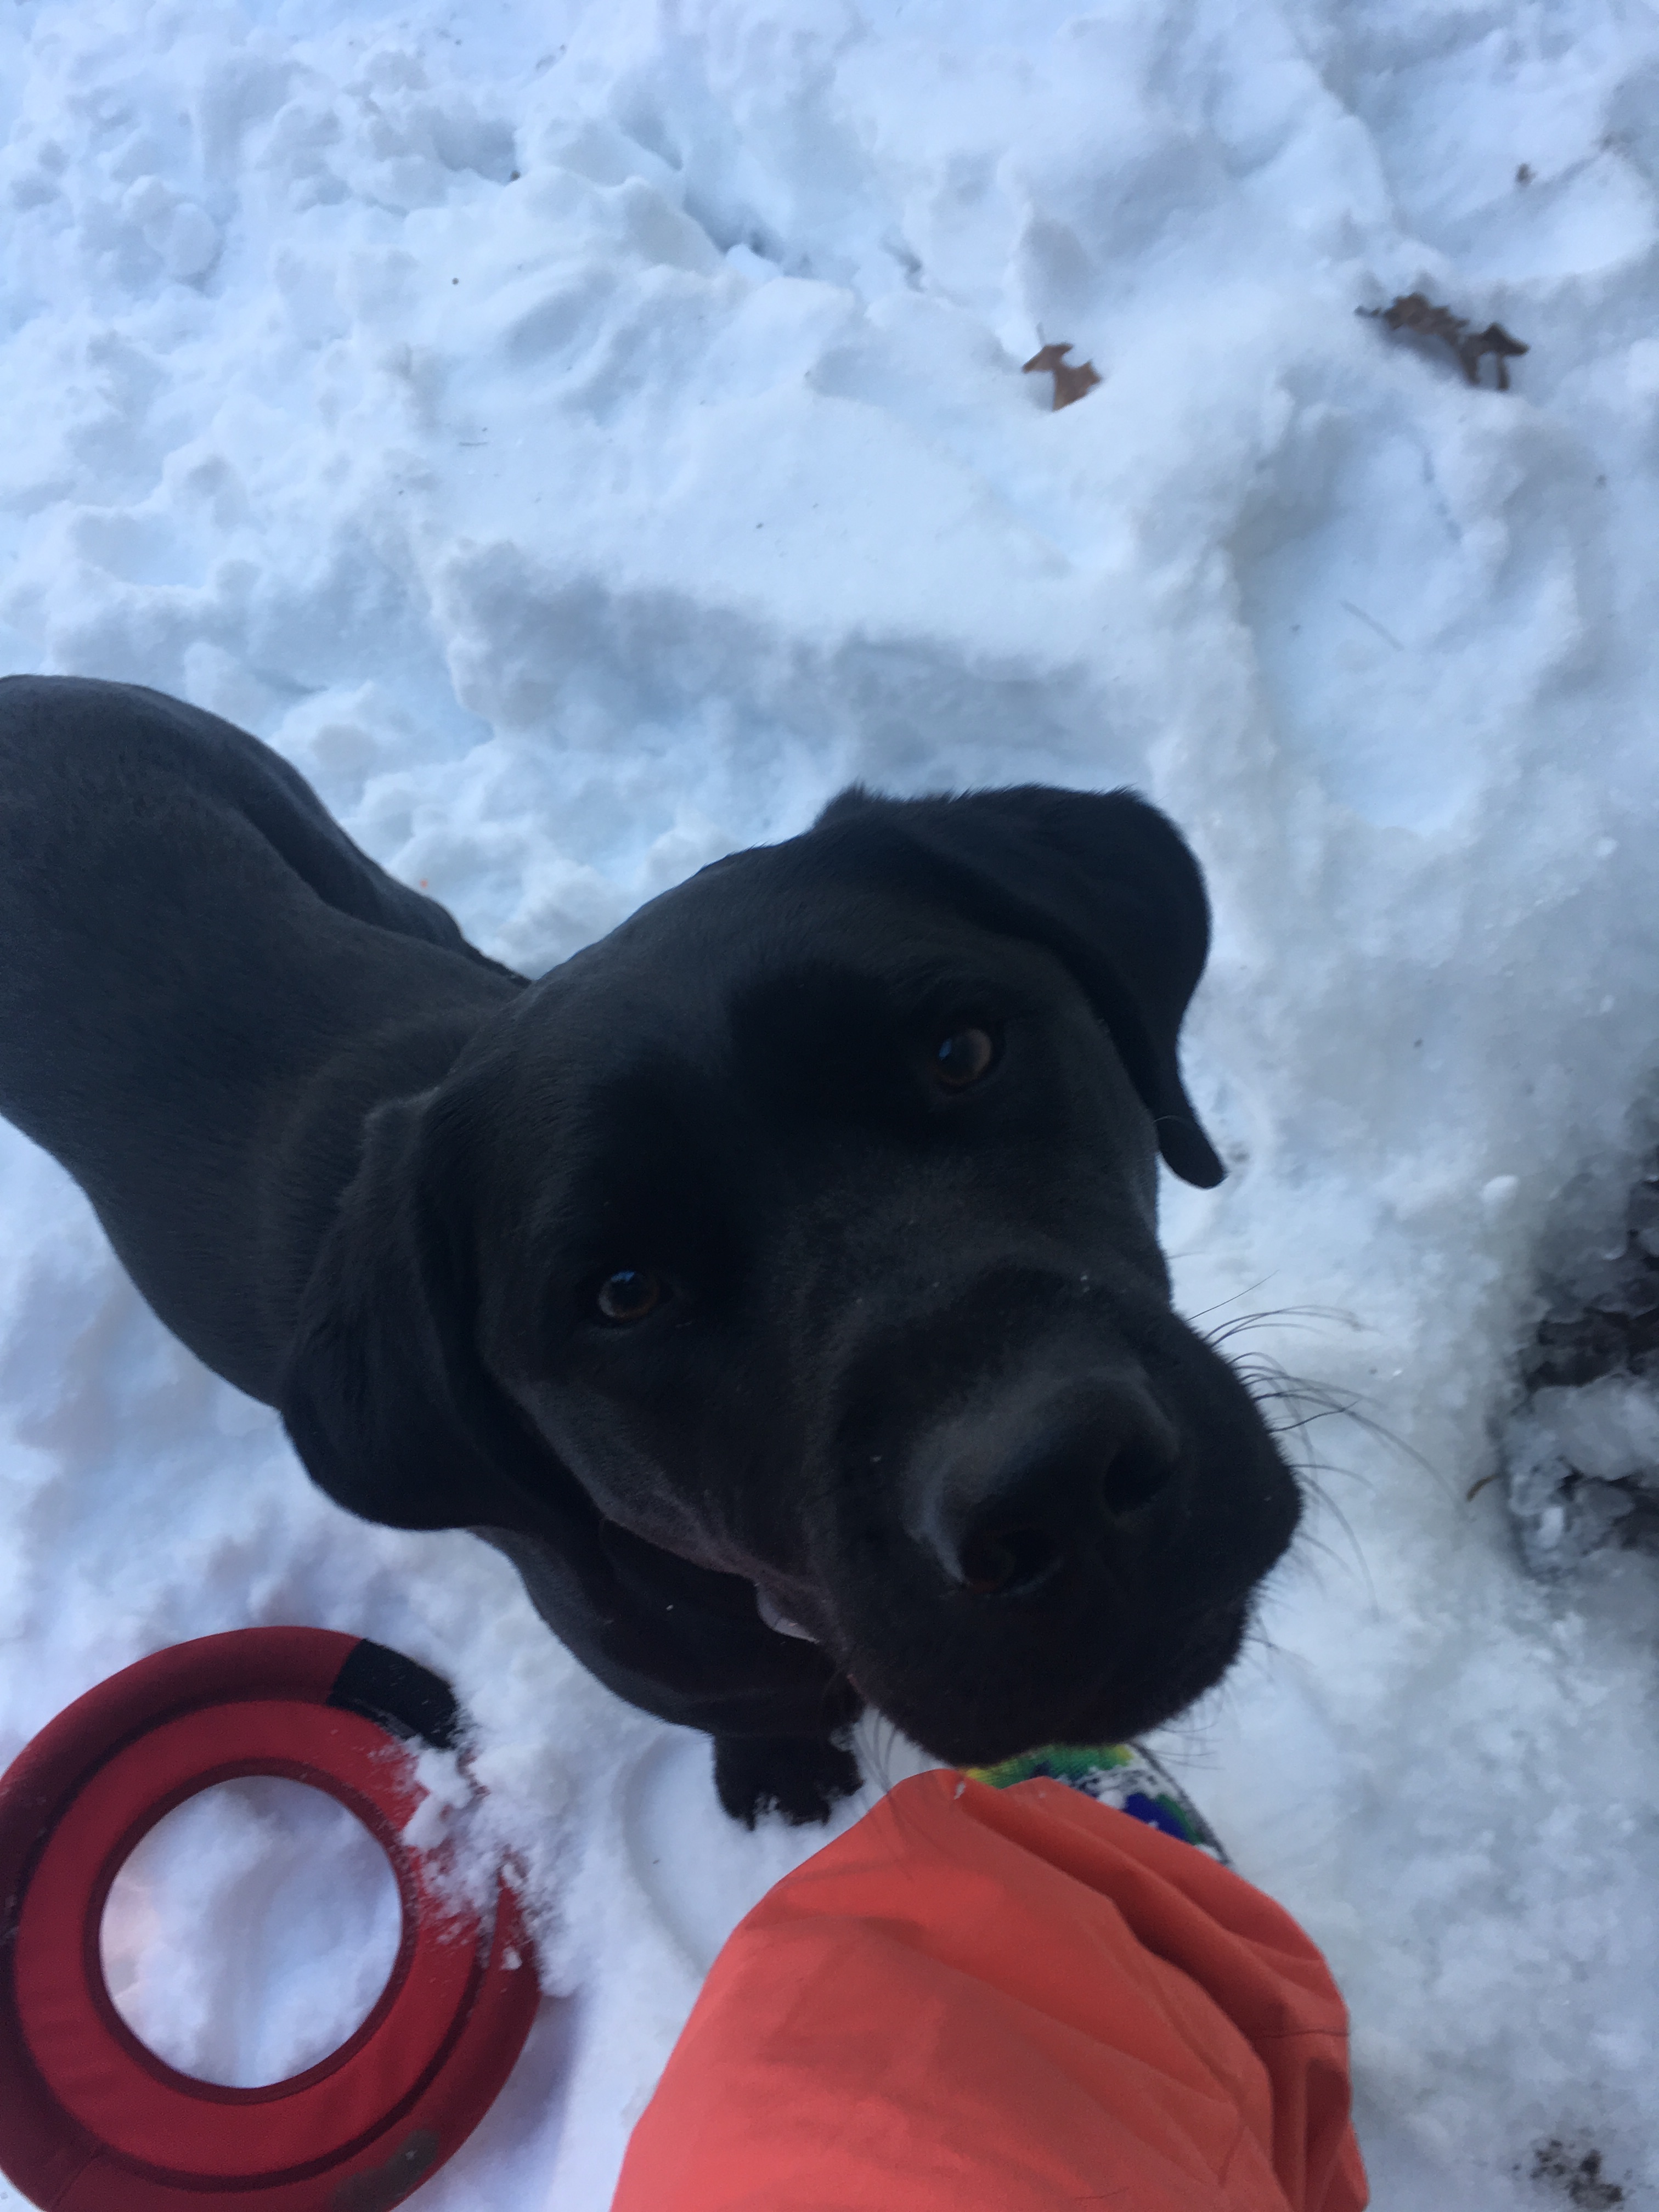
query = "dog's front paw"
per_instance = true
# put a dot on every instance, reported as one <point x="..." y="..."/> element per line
<point x="802" y="1777"/>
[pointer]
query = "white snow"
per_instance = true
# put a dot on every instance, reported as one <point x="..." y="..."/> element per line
<point x="582" y="437"/>
<point x="251" y="1931"/>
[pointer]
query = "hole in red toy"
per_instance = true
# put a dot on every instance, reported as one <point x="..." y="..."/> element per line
<point x="251" y="1931"/>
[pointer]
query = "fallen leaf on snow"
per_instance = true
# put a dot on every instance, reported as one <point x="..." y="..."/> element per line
<point x="1072" y="380"/>
<point x="1412" y="311"/>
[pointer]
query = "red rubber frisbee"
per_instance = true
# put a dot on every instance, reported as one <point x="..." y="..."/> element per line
<point x="92" y="2121"/>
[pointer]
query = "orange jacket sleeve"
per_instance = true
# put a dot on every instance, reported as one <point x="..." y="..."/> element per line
<point x="1005" y="2000"/>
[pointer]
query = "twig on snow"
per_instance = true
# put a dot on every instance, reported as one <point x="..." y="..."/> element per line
<point x="1412" y="311"/>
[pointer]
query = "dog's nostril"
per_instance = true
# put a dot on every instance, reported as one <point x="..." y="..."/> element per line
<point x="997" y="1562"/>
<point x="1027" y="1493"/>
<point x="1137" y="1473"/>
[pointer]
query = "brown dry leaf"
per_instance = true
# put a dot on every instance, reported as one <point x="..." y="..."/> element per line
<point x="1072" y="380"/>
<point x="1412" y="310"/>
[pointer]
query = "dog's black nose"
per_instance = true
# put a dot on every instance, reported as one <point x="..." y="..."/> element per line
<point x="1002" y="1501"/>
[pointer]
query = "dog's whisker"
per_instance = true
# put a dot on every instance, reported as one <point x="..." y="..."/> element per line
<point x="1248" y="1290"/>
<point x="1309" y="1319"/>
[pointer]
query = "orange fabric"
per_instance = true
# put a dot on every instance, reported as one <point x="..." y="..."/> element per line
<point x="1004" y="2001"/>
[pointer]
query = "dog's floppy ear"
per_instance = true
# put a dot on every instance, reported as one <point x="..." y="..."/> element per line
<point x="384" y="1394"/>
<point x="396" y="1416"/>
<point x="1100" y="878"/>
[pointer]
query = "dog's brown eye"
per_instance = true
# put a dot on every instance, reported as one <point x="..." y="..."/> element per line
<point x="962" y="1057"/>
<point x="629" y="1295"/>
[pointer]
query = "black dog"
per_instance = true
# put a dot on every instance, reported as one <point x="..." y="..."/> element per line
<point x="775" y="1282"/>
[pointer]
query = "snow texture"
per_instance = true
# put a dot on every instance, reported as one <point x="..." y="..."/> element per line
<point x="1581" y="1453"/>
<point x="582" y="437"/>
<point x="251" y="1931"/>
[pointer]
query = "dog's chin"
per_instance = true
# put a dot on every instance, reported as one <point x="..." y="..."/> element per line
<point x="1141" y="1693"/>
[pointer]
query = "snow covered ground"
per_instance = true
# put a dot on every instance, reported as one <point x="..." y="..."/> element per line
<point x="583" y="436"/>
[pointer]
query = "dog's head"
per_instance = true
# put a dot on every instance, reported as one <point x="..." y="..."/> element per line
<point x="788" y="1259"/>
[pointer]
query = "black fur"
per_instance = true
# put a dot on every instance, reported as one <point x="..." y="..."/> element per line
<point x="374" y="1178"/>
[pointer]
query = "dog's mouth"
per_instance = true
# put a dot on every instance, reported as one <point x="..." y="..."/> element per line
<point x="779" y="1622"/>
<point x="1150" y="1684"/>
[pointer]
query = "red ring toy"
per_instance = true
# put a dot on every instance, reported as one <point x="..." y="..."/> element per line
<point x="93" y="2122"/>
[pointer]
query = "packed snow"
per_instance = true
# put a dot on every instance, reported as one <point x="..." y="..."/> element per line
<point x="582" y="437"/>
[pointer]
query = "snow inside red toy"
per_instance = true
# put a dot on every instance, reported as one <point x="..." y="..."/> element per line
<point x="93" y="2121"/>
